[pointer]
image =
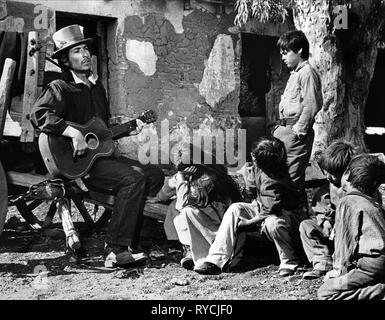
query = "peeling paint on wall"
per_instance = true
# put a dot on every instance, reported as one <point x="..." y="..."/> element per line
<point x="3" y="9"/>
<point x="12" y="24"/>
<point x="219" y="77"/>
<point x="143" y="54"/>
<point x="174" y="14"/>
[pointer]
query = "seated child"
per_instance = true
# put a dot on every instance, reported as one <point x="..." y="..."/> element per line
<point x="277" y="212"/>
<point x="316" y="235"/>
<point x="203" y="193"/>
<point x="359" y="256"/>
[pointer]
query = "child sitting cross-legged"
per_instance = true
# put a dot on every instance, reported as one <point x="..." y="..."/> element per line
<point x="277" y="212"/>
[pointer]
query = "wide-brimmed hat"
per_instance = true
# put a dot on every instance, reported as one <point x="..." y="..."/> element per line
<point x="67" y="38"/>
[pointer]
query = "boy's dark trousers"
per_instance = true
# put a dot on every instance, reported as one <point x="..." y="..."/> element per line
<point x="298" y="152"/>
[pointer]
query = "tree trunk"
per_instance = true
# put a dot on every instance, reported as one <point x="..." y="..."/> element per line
<point x="345" y="60"/>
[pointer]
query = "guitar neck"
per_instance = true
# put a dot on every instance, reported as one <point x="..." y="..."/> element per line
<point x="123" y="130"/>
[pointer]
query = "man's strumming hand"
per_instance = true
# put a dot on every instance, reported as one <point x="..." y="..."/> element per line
<point x="78" y="141"/>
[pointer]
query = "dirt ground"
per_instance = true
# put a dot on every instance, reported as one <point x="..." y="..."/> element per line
<point x="35" y="266"/>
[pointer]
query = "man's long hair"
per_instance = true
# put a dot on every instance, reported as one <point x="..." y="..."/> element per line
<point x="62" y="59"/>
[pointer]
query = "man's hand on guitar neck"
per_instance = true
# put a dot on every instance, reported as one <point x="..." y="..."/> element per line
<point x="78" y="141"/>
<point x="139" y="127"/>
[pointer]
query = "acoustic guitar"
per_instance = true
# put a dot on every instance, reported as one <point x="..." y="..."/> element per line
<point x="57" y="151"/>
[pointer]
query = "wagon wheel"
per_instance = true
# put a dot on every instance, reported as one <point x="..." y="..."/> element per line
<point x="3" y="198"/>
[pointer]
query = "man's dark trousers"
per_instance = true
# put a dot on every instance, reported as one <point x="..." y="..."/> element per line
<point x="130" y="182"/>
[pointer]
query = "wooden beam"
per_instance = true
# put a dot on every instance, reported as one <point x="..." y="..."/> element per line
<point x="41" y="64"/>
<point x="5" y="91"/>
<point x="102" y="54"/>
<point x="24" y="179"/>
<point x="30" y="87"/>
<point x="156" y="211"/>
<point x="3" y="198"/>
<point x="11" y="128"/>
<point x="94" y="64"/>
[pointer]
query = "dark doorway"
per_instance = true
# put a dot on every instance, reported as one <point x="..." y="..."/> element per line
<point x="255" y="77"/>
<point x="375" y="105"/>
<point x="255" y="74"/>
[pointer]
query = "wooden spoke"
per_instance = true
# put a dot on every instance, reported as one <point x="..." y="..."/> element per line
<point x="28" y="216"/>
<point x="84" y="213"/>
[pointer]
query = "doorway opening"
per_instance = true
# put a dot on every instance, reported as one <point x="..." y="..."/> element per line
<point x="375" y="106"/>
<point x="261" y="85"/>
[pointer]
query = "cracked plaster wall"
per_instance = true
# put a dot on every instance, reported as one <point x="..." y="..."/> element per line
<point x="164" y="58"/>
<point x="195" y="76"/>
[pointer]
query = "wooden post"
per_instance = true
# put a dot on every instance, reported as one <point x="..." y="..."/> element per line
<point x="5" y="91"/>
<point x="30" y="87"/>
<point x="3" y="198"/>
<point x="72" y="237"/>
<point x="94" y="64"/>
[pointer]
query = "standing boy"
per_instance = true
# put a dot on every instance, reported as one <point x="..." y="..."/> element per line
<point x="300" y="102"/>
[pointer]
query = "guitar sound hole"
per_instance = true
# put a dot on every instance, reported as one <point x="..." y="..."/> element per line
<point x="92" y="140"/>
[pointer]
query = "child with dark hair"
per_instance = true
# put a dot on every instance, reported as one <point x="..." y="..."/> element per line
<point x="316" y="234"/>
<point x="359" y="257"/>
<point x="276" y="212"/>
<point x="295" y="41"/>
<point x="203" y="193"/>
<point x="335" y="159"/>
<point x="299" y="104"/>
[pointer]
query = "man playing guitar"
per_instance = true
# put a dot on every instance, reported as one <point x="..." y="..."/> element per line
<point x="77" y="99"/>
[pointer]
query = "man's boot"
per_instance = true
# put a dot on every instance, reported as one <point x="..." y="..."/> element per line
<point x="115" y="256"/>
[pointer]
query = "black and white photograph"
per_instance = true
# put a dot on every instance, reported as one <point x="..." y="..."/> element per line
<point x="192" y="155"/>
